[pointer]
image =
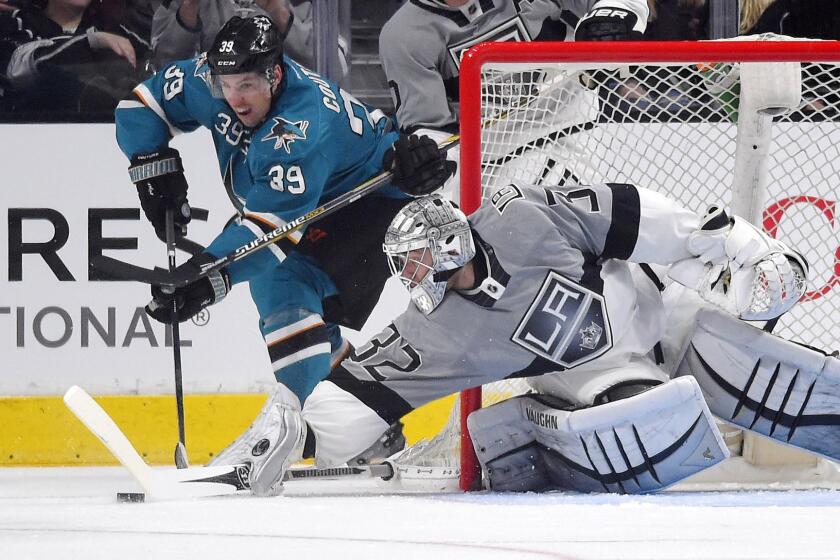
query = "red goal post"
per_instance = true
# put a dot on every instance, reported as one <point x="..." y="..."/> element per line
<point x="675" y="71"/>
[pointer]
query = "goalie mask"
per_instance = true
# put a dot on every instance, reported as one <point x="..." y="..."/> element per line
<point x="426" y="243"/>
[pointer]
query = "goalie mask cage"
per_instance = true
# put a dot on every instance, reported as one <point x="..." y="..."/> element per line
<point x="663" y="116"/>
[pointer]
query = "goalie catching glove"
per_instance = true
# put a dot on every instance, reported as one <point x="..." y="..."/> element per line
<point x="742" y="269"/>
<point x="192" y="298"/>
<point x="161" y="186"/>
<point x="419" y="167"/>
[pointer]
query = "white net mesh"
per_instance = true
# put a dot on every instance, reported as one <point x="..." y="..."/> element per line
<point x="672" y="127"/>
<point x="660" y="127"/>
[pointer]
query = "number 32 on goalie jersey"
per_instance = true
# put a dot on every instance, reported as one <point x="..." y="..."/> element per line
<point x="386" y="352"/>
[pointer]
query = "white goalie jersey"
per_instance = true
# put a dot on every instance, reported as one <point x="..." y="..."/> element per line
<point x="555" y="291"/>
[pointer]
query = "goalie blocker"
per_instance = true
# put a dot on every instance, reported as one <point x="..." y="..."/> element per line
<point x="639" y="444"/>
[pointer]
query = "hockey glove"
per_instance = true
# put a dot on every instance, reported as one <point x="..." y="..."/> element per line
<point x="741" y="269"/>
<point x="418" y="165"/>
<point x="161" y="185"/>
<point x="191" y="298"/>
<point x="608" y="24"/>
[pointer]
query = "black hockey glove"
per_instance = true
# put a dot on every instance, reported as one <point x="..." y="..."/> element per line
<point x="418" y="165"/>
<point x="608" y="24"/>
<point x="193" y="297"/>
<point x="161" y="185"/>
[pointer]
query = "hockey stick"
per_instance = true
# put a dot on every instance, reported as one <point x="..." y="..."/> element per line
<point x="193" y="482"/>
<point x="170" y="280"/>
<point x="181" y="460"/>
<point x="198" y="482"/>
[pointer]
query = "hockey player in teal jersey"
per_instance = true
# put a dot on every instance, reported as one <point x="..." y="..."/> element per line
<point x="287" y="140"/>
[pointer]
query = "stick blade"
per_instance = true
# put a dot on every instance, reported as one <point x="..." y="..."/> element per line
<point x="200" y="482"/>
<point x="157" y="484"/>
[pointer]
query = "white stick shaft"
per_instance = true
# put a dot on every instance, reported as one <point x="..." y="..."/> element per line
<point x="194" y="482"/>
<point x="100" y="424"/>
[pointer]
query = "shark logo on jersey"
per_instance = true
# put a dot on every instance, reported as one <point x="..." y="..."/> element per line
<point x="284" y="133"/>
<point x="202" y="70"/>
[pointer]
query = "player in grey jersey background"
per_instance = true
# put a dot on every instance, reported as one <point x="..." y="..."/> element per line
<point x="547" y="283"/>
<point x="422" y="44"/>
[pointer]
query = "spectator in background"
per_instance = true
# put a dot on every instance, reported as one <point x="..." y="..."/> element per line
<point x="300" y="40"/>
<point x="750" y="11"/>
<point x="813" y="19"/>
<point x="183" y="28"/>
<point x="8" y="6"/>
<point x="61" y="57"/>
<point x="677" y="20"/>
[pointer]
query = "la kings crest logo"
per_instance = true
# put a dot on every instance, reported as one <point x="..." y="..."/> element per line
<point x="511" y="30"/>
<point x="285" y="133"/>
<point x="566" y="323"/>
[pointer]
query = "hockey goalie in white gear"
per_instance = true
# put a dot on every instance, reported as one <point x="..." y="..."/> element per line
<point x="541" y="283"/>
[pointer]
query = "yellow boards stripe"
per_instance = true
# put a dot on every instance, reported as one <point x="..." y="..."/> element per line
<point x="42" y="431"/>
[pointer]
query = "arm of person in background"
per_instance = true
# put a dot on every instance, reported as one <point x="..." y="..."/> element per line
<point x="299" y="44"/>
<point x="28" y="58"/>
<point x="409" y="55"/>
<point x="176" y="31"/>
<point x="410" y="60"/>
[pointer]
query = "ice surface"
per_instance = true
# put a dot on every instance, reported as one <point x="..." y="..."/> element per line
<point x="72" y="513"/>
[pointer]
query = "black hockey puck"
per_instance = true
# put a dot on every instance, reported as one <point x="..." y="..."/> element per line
<point x="131" y="497"/>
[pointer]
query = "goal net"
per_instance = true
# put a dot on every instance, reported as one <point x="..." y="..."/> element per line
<point x="682" y="118"/>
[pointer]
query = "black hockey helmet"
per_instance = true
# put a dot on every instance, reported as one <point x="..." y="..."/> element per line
<point x="251" y="44"/>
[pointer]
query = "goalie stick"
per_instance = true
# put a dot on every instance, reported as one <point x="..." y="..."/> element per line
<point x="173" y="280"/>
<point x="222" y="480"/>
<point x="169" y="484"/>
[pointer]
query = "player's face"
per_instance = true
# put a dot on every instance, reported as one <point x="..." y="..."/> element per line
<point x="418" y="264"/>
<point x="249" y="95"/>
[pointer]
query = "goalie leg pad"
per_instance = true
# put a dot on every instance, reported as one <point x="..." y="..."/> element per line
<point x="766" y="384"/>
<point x="640" y="444"/>
<point x="271" y="444"/>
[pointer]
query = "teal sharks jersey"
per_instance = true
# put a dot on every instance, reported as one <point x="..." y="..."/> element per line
<point x="316" y="143"/>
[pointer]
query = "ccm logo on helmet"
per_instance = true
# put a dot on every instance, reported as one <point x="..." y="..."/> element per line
<point x="225" y="63"/>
